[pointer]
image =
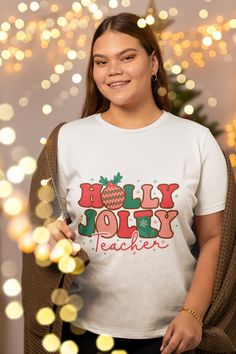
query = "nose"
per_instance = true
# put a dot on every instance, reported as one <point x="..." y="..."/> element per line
<point x="115" y="68"/>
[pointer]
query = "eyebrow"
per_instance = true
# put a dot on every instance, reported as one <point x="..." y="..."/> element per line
<point x="122" y="52"/>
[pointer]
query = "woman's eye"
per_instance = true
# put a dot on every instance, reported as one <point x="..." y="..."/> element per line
<point x="129" y="57"/>
<point x="100" y="62"/>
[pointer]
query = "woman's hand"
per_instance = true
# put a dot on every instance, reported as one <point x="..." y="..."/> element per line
<point x="184" y="333"/>
<point x="59" y="230"/>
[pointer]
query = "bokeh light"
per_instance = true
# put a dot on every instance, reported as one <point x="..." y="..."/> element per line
<point x="14" y="310"/>
<point x="105" y="342"/>
<point x="12" y="287"/>
<point x="51" y="343"/>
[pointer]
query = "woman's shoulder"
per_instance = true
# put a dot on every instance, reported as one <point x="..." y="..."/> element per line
<point x="187" y="126"/>
<point x="79" y="124"/>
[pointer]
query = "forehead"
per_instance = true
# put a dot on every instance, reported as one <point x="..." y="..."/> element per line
<point x="111" y="42"/>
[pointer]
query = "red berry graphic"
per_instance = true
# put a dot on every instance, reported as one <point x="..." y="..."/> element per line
<point x="113" y="196"/>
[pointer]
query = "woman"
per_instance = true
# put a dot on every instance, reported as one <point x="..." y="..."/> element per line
<point x="133" y="179"/>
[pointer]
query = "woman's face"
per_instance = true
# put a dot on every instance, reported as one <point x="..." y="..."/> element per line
<point x="122" y="68"/>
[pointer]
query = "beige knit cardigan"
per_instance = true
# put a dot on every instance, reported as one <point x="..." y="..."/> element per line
<point x="219" y="330"/>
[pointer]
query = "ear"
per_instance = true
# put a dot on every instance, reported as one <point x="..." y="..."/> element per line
<point x="154" y="62"/>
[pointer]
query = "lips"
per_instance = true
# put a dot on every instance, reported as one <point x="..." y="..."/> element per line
<point x="118" y="84"/>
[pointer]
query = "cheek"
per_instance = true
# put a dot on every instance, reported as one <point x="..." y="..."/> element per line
<point x="138" y="71"/>
<point x="98" y="76"/>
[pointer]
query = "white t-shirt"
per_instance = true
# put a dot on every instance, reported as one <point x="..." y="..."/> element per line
<point x="131" y="195"/>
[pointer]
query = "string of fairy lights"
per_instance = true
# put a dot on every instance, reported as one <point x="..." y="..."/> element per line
<point x="63" y="32"/>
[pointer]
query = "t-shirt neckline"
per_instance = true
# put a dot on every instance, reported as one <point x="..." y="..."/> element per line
<point x="132" y="130"/>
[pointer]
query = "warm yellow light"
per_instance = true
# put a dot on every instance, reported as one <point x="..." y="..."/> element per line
<point x="76" y="78"/>
<point x="173" y="11"/>
<point x="55" y="33"/>
<point x="51" y="343"/>
<point x="72" y="55"/>
<point x="5" y="188"/>
<point x="162" y="91"/>
<point x="85" y="3"/>
<point x="14" y="310"/>
<point x="34" y="6"/>
<point x="19" y="55"/>
<point x="26" y="243"/>
<point x="150" y="20"/>
<point x="181" y="78"/>
<point x="46" y="35"/>
<point x="23" y="101"/>
<point x="22" y="7"/>
<point x="171" y="95"/>
<point x="28" y="164"/>
<point x="54" y="8"/>
<point x="3" y="36"/>
<point x="18" y="227"/>
<point x="45" y="84"/>
<point x="59" y="69"/>
<point x="68" y="313"/>
<point x="207" y="41"/>
<point x="203" y="13"/>
<point x="211" y="29"/>
<point x="21" y="36"/>
<point x="141" y="23"/>
<point x="47" y="109"/>
<point x="125" y="3"/>
<point x="93" y="7"/>
<point x="28" y="53"/>
<point x="7" y="136"/>
<point x="212" y="53"/>
<point x="54" y="78"/>
<point x="5" y="26"/>
<point x="41" y="235"/>
<point x="217" y="35"/>
<point x="61" y="21"/>
<point x="176" y="69"/>
<point x="232" y="23"/>
<point x="163" y="15"/>
<point x="12" y="206"/>
<point x="67" y="264"/>
<point x="185" y="64"/>
<point x="188" y="109"/>
<point x="19" y="24"/>
<point x="68" y="65"/>
<point x="69" y="346"/>
<point x="43" y="141"/>
<point x="12" y="287"/>
<point x="105" y="342"/>
<point x="190" y="84"/>
<point x="212" y="101"/>
<point x="45" y="316"/>
<point x="6" y="54"/>
<point x="59" y="296"/>
<point x="15" y="174"/>
<point x="76" y="6"/>
<point x="113" y="4"/>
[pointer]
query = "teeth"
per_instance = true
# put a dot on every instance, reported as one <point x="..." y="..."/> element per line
<point x="119" y="83"/>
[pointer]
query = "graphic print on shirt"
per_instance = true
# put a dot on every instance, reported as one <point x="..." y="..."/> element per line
<point x="110" y="227"/>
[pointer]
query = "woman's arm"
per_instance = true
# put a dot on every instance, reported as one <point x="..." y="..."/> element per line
<point x="184" y="333"/>
<point x="208" y="229"/>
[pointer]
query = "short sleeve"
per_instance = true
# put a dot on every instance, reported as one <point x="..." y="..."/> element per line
<point x="212" y="189"/>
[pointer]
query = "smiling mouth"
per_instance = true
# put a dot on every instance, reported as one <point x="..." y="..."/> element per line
<point x="119" y="84"/>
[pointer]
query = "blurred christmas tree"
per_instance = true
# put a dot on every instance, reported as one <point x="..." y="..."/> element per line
<point x="179" y="95"/>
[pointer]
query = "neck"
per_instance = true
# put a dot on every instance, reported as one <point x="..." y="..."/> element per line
<point x="132" y="118"/>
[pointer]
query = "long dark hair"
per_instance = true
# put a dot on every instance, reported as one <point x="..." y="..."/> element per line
<point x="95" y="102"/>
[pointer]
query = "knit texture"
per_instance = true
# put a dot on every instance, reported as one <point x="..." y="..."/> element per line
<point x="38" y="283"/>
